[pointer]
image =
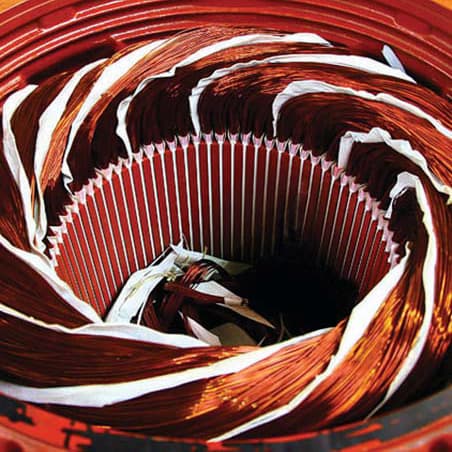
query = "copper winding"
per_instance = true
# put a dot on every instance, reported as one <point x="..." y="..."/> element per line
<point x="239" y="102"/>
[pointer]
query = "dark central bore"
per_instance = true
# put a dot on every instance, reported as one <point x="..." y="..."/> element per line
<point x="289" y="287"/>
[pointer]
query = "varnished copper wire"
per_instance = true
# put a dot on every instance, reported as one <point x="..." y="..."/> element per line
<point x="210" y="407"/>
<point x="303" y="113"/>
<point x="239" y="396"/>
<point x="12" y="221"/>
<point x="178" y="292"/>
<point x="165" y="112"/>
<point x="83" y="354"/>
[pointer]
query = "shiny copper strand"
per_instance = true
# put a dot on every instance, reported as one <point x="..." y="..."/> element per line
<point x="92" y="360"/>
<point x="212" y="406"/>
<point x="238" y="397"/>
<point x="12" y="221"/>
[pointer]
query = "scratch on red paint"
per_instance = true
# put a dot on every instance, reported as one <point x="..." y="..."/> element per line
<point x="368" y="429"/>
<point x="362" y="447"/>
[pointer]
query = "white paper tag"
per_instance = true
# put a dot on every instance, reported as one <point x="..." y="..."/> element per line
<point x="214" y="288"/>
<point x="203" y="334"/>
<point x="137" y="290"/>
<point x="232" y="334"/>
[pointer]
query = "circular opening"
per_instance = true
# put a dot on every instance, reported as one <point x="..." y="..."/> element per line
<point x="236" y="197"/>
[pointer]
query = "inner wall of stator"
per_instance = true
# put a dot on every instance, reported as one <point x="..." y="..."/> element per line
<point x="236" y="197"/>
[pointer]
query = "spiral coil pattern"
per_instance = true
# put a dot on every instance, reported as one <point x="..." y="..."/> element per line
<point x="249" y="97"/>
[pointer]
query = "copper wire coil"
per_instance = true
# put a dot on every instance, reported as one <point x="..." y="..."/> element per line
<point x="395" y="326"/>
